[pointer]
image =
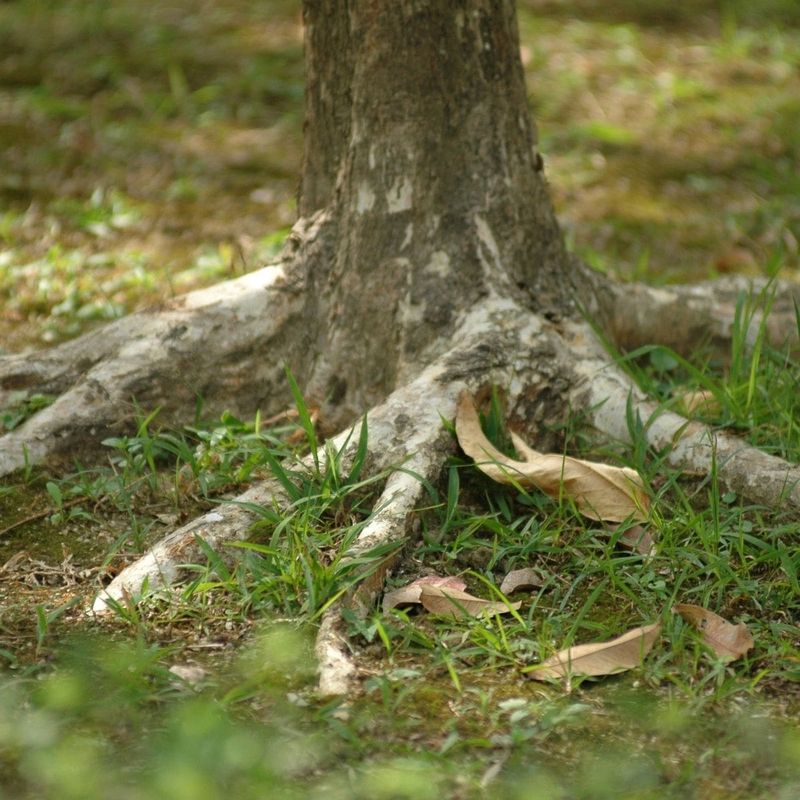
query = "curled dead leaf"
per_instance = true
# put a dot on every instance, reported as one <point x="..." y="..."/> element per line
<point x="724" y="638"/>
<point x="703" y="402"/>
<point x="526" y="578"/>
<point x="600" y="658"/>
<point x="599" y="491"/>
<point x="446" y="601"/>
<point x="639" y="539"/>
<point x="410" y="594"/>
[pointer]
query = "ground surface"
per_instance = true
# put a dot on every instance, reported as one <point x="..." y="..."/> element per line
<point x="147" y="151"/>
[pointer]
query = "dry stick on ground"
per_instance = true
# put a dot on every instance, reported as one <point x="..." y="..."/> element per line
<point x="427" y="260"/>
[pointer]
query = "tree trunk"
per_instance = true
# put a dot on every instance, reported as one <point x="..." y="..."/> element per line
<point x="420" y="154"/>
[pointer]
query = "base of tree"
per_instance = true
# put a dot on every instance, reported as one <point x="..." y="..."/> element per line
<point x="229" y="344"/>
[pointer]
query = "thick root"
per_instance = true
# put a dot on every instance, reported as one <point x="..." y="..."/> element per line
<point x="687" y="317"/>
<point x="603" y="392"/>
<point x="546" y="370"/>
<point x="161" y="565"/>
<point x="392" y="524"/>
<point x="210" y="344"/>
<point x="499" y="344"/>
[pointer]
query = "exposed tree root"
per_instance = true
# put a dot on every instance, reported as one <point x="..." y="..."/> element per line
<point x="161" y="565"/>
<point x="603" y="392"/>
<point x="207" y="345"/>
<point x="688" y="317"/>
<point x="406" y="432"/>
<point x="216" y="341"/>
<point x="392" y="524"/>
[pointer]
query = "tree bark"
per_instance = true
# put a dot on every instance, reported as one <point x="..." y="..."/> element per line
<point x="420" y="148"/>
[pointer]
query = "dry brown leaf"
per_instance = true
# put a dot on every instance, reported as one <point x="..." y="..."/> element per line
<point x="724" y="638"/>
<point x="599" y="491"/>
<point x="409" y="594"/>
<point x="458" y="604"/>
<point x="639" y="539"/>
<point x="526" y="578"/>
<point x="703" y="402"/>
<point x="600" y="658"/>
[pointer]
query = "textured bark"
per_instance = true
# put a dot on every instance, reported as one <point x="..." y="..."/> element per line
<point x="431" y="185"/>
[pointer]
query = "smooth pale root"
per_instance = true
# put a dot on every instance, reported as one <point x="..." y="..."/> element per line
<point x="449" y="602"/>
<point x="724" y="638"/>
<point x="600" y="658"/>
<point x="599" y="491"/>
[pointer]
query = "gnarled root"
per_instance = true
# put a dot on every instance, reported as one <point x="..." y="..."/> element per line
<point x="160" y="566"/>
<point x="391" y="524"/>
<point x="603" y="392"/>
<point x="213" y="345"/>
<point x="208" y="344"/>
<point x="687" y="317"/>
<point x="546" y="370"/>
<point x="220" y="337"/>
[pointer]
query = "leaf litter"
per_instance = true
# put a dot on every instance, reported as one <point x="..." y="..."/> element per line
<point x="411" y="593"/>
<point x="445" y="596"/>
<point x="599" y="491"/>
<point x="727" y="640"/>
<point x="600" y="658"/>
<point x="445" y="601"/>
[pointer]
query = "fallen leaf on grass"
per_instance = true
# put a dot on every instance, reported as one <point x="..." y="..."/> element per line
<point x="639" y="539"/>
<point x="724" y="638"/>
<point x="599" y="491"/>
<point x="703" y="402"/>
<point x="600" y="658"/>
<point x="410" y="594"/>
<point x="526" y="578"/>
<point x="445" y="601"/>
